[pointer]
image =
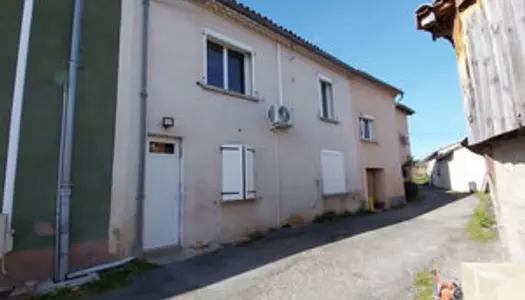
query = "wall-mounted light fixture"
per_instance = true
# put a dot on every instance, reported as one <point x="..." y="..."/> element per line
<point x="168" y="122"/>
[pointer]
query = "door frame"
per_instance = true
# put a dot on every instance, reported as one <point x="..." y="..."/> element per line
<point x="179" y="146"/>
<point x="371" y="182"/>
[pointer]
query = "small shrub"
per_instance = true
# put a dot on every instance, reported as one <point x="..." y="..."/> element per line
<point x="411" y="191"/>
<point x="327" y="217"/>
<point x="379" y="205"/>
<point x="255" y="236"/>
<point x="420" y="179"/>
<point x="109" y="280"/>
<point x="119" y="277"/>
<point x="365" y="212"/>
<point x="252" y="237"/>
<point x="331" y="217"/>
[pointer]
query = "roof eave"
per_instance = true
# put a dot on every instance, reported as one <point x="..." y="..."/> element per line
<point x="259" y="18"/>
<point x="405" y="109"/>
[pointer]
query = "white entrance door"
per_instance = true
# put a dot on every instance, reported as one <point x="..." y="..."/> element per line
<point x="162" y="203"/>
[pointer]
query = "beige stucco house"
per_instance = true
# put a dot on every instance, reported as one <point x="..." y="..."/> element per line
<point x="216" y="168"/>
<point x="383" y="142"/>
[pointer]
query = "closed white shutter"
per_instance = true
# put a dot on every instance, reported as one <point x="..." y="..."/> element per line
<point x="249" y="181"/>
<point x="333" y="172"/>
<point x="232" y="172"/>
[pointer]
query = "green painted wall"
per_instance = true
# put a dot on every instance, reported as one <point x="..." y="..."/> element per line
<point x="97" y="93"/>
<point x="35" y="191"/>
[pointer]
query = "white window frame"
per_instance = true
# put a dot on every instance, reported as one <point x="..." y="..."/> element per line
<point x="331" y="104"/>
<point x="230" y="43"/>
<point x="370" y="120"/>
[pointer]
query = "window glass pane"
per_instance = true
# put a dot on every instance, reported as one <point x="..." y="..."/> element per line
<point x="158" y="147"/>
<point x="368" y="129"/>
<point x="330" y="99"/>
<point x="215" y="75"/>
<point x="236" y="72"/>
<point x="324" y="100"/>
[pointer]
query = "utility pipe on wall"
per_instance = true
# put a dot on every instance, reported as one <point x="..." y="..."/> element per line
<point x="276" y="137"/>
<point x="142" y="131"/>
<point x="399" y="97"/>
<point x="280" y="73"/>
<point x="61" y="266"/>
<point x="16" y="111"/>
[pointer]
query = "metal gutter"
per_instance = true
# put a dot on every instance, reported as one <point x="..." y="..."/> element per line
<point x="95" y="269"/>
<point x="140" y="196"/>
<point x="61" y="266"/>
<point x="405" y="109"/>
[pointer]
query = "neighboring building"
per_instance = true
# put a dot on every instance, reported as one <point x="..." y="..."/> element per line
<point x="405" y="152"/>
<point x="35" y="194"/>
<point x="402" y="113"/>
<point x="382" y="123"/>
<point x="216" y="168"/>
<point x="489" y="39"/>
<point x="456" y="168"/>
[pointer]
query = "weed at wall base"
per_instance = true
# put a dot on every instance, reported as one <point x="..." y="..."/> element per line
<point x="423" y="284"/>
<point x="109" y="280"/>
<point x="482" y="224"/>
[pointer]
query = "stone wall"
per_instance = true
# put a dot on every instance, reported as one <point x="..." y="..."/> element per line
<point x="508" y="167"/>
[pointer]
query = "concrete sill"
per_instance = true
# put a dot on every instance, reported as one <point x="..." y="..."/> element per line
<point x="370" y="141"/>
<point x="238" y="201"/>
<point x="329" y="120"/>
<point x="215" y="89"/>
<point x="338" y="195"/>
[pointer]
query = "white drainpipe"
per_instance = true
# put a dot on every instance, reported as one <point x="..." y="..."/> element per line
<point x="16" y="111"/>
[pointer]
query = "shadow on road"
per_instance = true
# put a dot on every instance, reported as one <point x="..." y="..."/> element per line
<point x="182" y="277"/>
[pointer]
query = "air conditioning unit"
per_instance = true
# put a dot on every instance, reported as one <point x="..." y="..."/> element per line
<point x="279" y="117"/>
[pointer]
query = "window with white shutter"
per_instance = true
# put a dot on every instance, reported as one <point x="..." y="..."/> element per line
<point x="333" y="173"/>
<point x="238" y="181"/>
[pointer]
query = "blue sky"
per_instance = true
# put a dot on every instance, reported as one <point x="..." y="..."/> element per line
<point x="380" y="37"/>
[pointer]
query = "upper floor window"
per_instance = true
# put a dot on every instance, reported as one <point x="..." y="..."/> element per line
<point x="326" y="98"/>
<point x="366" y="126"/>
<point x="228" y="64"/>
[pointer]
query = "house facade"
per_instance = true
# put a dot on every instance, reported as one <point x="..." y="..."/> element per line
<point x="456" y="168"/>
<point x="489" y="40"/>
<point x="175" y="145"/>
<point x="218" y="110"/>
<point x="382" y="123"/>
